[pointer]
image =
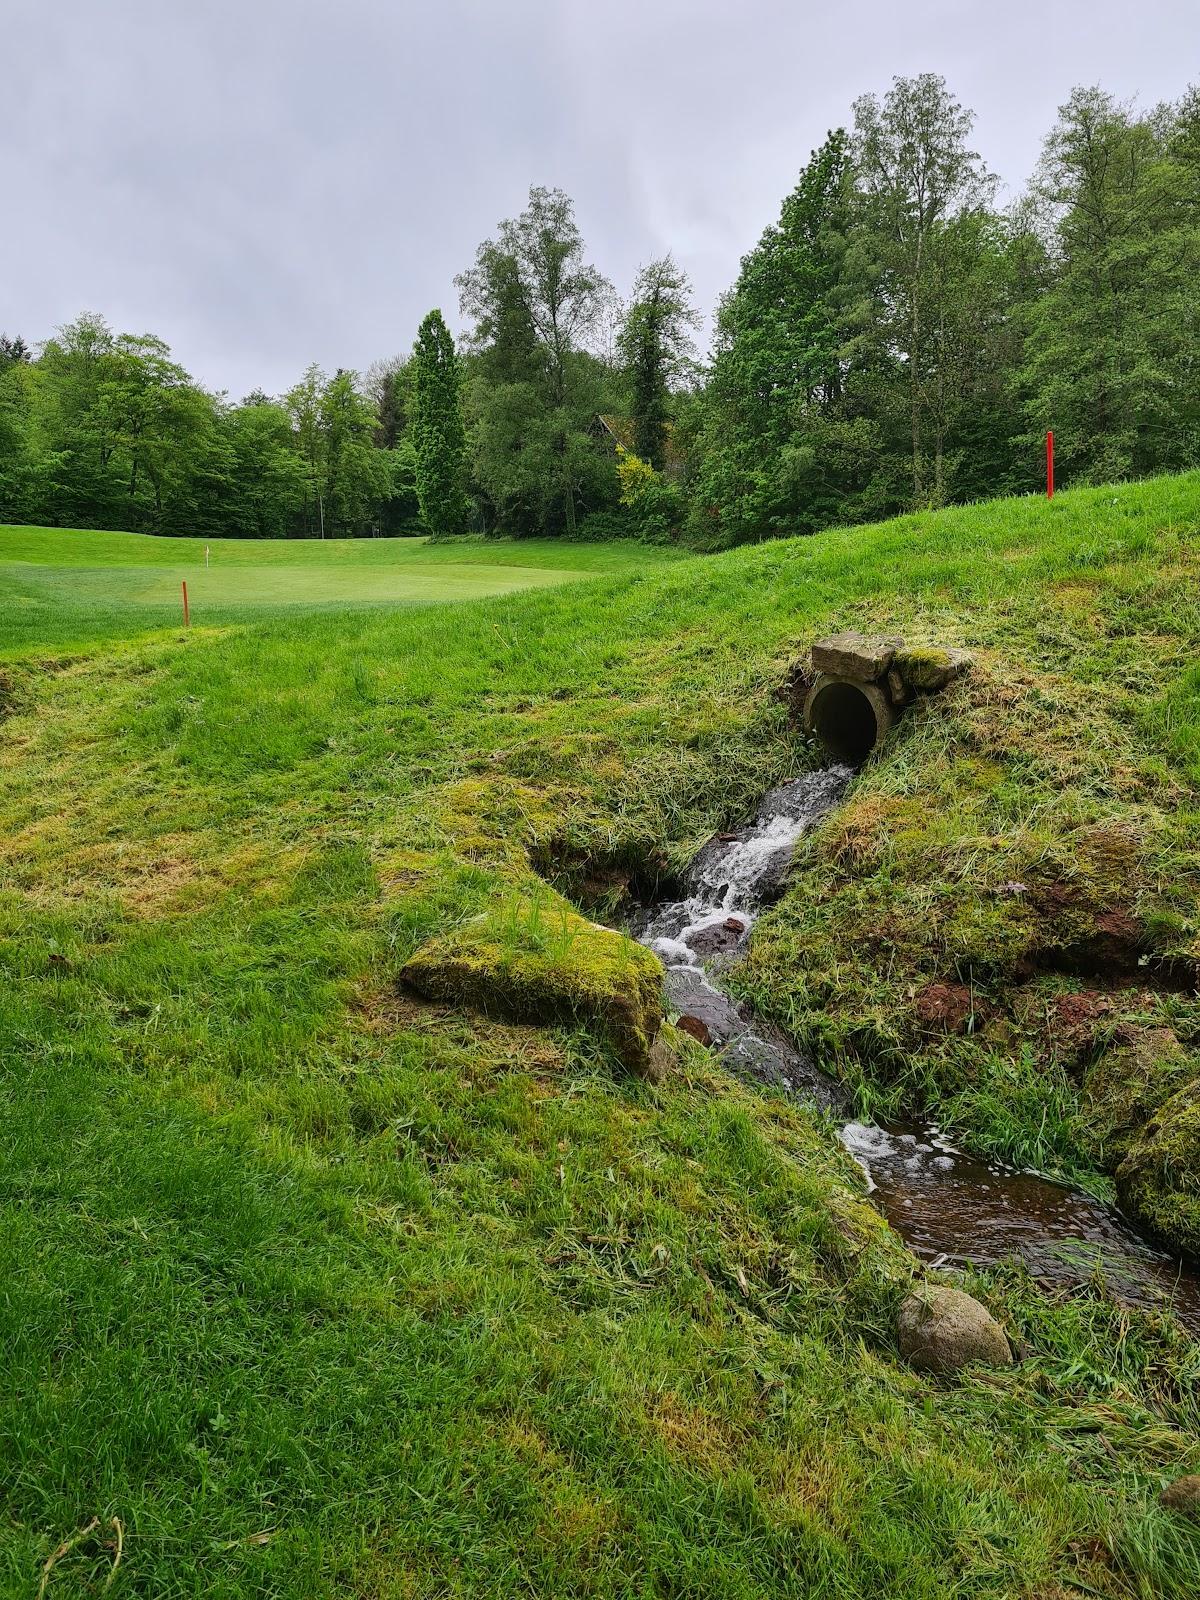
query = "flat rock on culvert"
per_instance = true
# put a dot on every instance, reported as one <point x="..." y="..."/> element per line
<point x="1183" y="1495"/>
<point x="864" y="657"/>
<point x="944" y="1330"/>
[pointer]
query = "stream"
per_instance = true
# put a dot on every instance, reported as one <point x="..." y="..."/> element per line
<point x="950" y="1208"/>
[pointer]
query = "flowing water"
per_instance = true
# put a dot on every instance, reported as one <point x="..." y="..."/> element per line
<point x="950" y="1208"/>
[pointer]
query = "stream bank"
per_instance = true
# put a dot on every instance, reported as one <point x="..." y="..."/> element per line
<point x="952" y="1209"/>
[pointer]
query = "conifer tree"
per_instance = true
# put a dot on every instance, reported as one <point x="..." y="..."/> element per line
<point x="437" y="427"/>
<point x="656" y="348"/>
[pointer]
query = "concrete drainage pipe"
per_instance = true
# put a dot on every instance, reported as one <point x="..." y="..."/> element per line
<point x="849" y="718"/>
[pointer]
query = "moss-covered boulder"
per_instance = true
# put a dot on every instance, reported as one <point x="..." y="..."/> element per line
<point x="1124" y="1088"/>
<point x="927" y="668"/>
<point x="1159" y="1179"/>
<point x="1183" y="1496"/>
<point x="534" y="959"/>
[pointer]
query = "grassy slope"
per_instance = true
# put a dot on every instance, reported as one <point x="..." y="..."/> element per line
<point x="316" y="1288"/>
<point x="64" y="587"/>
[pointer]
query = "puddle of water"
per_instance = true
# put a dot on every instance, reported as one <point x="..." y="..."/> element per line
<point x="950" y="1208"/>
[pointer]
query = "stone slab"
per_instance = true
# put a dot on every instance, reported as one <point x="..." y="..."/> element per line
<point x="860" y="656"/>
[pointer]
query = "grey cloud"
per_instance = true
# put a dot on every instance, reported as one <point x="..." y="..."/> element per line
<point x="266" y="184"/>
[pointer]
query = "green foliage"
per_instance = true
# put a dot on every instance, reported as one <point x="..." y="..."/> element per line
<point x="921" y="204"/>
<point x="537" y="305"/>
<point x="655" y="504"/>
<point x="893" y="342"/>
<point x="601" y="526"/>
<point x="533" y="277"/>
<point x="527" y="455"/>
<point x="13" y="349"/>
<point x="346" y="477"/>
<point x="267" y="477"/>
<point x="437" y="428"/>
<point x="777" y="444"/>
<point x="1110" y="350"/>
<point x="634" y="476"/>
<point x="656" y="348"/>
<point x="105" y="430"/>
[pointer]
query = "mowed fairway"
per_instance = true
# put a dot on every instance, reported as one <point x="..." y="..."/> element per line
<point x="62" y="586"/>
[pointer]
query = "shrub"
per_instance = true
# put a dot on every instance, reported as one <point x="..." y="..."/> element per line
<point x="597" y="527"/>
<point x="656" y="505"/>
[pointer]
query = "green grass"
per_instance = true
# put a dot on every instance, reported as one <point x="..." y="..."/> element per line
<point x="67" y="587"/>
<point x="321" y="1289"/>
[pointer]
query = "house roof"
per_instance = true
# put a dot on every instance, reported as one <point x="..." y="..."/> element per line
<point x="621" y="431"/>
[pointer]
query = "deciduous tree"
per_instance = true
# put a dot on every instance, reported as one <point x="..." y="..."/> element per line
<point x="536" y="304"/>
<point x="918" y="179"/>
<point x="1110" y="357"/>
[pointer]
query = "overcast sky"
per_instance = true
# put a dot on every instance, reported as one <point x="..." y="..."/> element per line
<point x="270" y="182"/>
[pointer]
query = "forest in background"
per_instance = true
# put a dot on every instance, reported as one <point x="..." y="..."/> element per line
<point x="896" y="340"/>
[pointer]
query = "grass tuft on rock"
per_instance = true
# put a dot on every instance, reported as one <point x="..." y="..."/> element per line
<point x="533" y="959"/>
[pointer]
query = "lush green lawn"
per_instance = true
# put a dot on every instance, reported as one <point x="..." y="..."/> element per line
<point x="318" y="1289"/>
<point x="67" y="586"/>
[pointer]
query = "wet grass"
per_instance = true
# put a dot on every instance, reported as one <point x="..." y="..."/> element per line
<point x="317" y="1289"/>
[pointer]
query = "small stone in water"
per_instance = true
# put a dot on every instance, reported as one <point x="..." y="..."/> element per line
<point x="696" y="1027"/>
<point x="734" y="925"/>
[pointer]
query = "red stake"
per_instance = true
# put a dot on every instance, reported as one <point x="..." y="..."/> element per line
<point x="1049" y="466"/>
<point x="187" y="621"/>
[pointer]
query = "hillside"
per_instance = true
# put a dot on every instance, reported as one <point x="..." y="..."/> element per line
<point x="318" y="1286"/>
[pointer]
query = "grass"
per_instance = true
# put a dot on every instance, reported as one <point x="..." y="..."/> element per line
<point x="319" y="1288"/>
<point x="68" y="587"/>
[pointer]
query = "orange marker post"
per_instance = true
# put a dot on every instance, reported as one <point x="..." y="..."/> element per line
<point x="187" y="621"/>
<point x="1050" y="466"/>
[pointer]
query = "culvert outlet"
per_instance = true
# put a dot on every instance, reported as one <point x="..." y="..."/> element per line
<point x="849" y="718"/>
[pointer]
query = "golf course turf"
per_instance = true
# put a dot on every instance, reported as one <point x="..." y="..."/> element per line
<point x="313" y="1285"/>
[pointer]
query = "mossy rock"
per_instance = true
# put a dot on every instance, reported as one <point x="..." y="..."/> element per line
<point x="929" y="668"/>
<point x="1183" y="1496"/>
<point x="1127" y="1085"/>
<point x="1159" y="1179"/>
<point x="534" y="959"/>
<point x="942" y="1330"/>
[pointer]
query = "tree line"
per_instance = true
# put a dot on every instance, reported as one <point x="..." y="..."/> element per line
<point x="896" y="340"/>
